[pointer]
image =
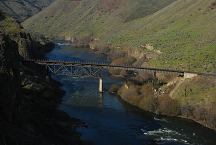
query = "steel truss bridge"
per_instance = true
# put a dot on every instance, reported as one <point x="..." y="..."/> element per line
<point x="84" y="69"/>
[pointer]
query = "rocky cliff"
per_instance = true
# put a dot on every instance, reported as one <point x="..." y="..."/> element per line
<point x="28" y="97"/>
<point x="10" y="78"/>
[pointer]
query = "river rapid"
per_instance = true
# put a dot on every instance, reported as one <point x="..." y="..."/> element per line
<point x="111" y="121"/>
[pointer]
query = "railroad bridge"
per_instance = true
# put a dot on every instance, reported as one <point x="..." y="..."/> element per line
<point x="82" y="69"/>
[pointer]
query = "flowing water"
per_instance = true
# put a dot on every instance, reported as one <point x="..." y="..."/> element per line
<point x="113" y="122"/>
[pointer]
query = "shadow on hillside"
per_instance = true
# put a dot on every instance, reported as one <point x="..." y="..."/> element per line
<point x="2" y="17"/>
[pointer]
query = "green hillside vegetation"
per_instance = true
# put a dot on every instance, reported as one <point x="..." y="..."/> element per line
<point x="192" y="91"/>
<point x="8" y="25"/>
<point x="180" y="31"/>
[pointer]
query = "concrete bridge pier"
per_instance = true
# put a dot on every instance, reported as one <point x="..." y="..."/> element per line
<point x="100" y="85"/>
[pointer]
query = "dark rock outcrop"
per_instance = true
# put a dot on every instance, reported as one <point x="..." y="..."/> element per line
<point x="10" y="78"/>
<point x="29" y="98"/>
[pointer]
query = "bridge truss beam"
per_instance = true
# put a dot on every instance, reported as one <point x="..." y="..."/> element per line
<point x="75" y="71"/>
<point x="89" y="69"/>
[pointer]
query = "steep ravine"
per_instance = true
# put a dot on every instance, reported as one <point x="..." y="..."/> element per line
<point x="28" y="98"/>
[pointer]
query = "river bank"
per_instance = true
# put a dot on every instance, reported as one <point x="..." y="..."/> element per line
<point x="166" y="94"/>
<point x="110" y="120"/>
<point x="192" y="98"/>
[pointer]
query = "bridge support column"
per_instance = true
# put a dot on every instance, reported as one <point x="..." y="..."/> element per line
<point x="100" y="85"/>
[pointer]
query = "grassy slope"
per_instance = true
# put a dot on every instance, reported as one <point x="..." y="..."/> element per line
<point x="8" y="24"/>
<point x="182" y="30"/>
<point x="198" y="91"/>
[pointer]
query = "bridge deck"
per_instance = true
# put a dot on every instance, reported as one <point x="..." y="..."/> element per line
<point x="111" y="66"/>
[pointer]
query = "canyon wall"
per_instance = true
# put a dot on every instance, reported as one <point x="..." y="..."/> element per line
<point x="28" y="96"/>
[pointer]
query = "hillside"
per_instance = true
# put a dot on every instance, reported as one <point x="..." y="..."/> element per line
<point x="22" y="9"/>
<point x="174" y="34"/>
<point x="8" y="24"/>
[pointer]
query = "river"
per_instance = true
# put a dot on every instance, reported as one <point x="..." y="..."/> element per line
<point x="113" y="122"/>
